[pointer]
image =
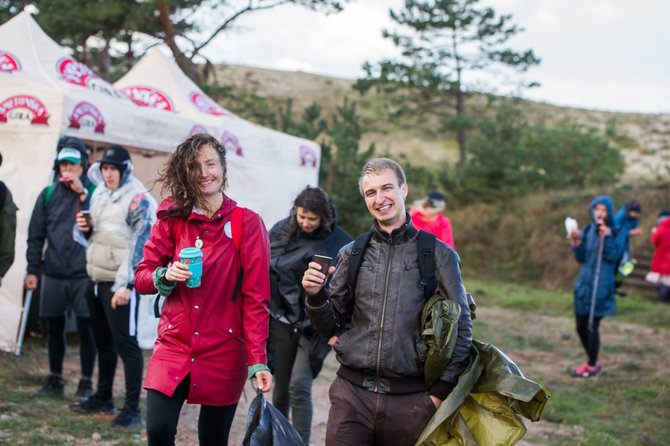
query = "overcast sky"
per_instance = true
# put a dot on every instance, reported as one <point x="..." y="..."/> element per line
<point x="598" y="54"/>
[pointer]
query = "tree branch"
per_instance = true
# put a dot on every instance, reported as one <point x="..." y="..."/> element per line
<point x="250" y="7"/>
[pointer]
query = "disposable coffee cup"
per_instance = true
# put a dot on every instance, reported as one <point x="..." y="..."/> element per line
<point x="192" y="257"/>
<point x="324" y="261"/>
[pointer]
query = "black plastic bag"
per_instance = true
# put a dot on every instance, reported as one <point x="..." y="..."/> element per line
<point x="267" y="426"/>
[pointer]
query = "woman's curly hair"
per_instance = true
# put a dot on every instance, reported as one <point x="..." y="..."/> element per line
<point x="312" y="199"/>
<point x="180" y="177"/>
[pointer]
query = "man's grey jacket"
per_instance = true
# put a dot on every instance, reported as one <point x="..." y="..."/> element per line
<point x="379" y="346"/>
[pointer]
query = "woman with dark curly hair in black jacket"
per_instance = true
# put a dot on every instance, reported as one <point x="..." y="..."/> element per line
<point x="296" y="352"/>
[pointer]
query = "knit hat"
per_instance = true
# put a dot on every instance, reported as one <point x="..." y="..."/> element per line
<point x="435" y="199"/>
<point x="634" y="206"/>
<point x="119" y="157"/>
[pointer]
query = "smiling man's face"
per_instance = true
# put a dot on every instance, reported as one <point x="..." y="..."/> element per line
<point x="385" y="198"/>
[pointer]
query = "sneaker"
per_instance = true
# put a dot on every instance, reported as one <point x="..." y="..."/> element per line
<point x="84" y="391"/>
<point x="586" y="371"/>
<point x="95" y="404"/>
<point x="53" y="386"/>
<point x="128" y="419"/>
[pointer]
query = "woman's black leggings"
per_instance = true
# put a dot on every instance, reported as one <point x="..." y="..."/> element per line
<point x="590" y="338"/>
<point x="163" y="415"/>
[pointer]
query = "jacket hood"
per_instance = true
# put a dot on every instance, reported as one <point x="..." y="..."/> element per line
<point x="95" y="173"/>
<point x="609" y="204"/>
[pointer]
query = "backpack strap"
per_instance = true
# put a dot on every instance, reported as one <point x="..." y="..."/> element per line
<point x="356" y="258"/>
<point x="237" y="228"/>
<point x="426" y="258"/>
<point x="48" y="193"/>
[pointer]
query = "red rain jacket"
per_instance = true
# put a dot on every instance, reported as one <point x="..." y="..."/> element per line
<point x="660" y="263"/>
<point x="202" y="331"/>
<point x="441" y="227"/>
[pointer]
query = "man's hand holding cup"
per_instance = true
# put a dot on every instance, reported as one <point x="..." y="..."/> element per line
<point x="317" y="272"/>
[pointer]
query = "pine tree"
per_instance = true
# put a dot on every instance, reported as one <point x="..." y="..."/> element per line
<point x="446" y="40"/>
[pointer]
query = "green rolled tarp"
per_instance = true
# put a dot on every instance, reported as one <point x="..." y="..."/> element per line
<point x="486" y="406"/>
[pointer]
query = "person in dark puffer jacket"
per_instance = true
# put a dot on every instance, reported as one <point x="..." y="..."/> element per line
<point x="296" y="352"/>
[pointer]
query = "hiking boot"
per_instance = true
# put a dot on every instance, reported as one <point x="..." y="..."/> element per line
<point x="53" y="386"/>
<point x="586" y="371"/>
<point x="128" y="419"/>
<point x="95" y="404"/>
<point x="84" y="391"/>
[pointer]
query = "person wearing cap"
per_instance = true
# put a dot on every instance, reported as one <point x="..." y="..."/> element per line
<point x="7" y="228"/>
<point x="122" y="213"/>
<point x="62" y="264"/>
<point x="659" y="273"/>
<point x="427" y="216"/>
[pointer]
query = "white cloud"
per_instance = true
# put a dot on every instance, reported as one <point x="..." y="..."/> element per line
<point x="606" y="54"/>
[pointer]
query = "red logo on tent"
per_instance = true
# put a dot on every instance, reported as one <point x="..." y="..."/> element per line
<point x="206" y="105"/>
<point x="231" y="143"/>
<point x="148" y="97"/>
<point x="307" y="156"/>
<point x="75" y="72"/>
<point x="8" y="63"/>
<point x="31" y="103"/>
<point x="197" y="129"/>
<point x="87" y="109"/>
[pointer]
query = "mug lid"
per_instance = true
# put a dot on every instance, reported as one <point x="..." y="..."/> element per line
<point x="190" y="252"/>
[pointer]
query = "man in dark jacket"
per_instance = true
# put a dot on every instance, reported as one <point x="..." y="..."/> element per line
<point x="380" y="396"/>
<point x="62" y="264"/>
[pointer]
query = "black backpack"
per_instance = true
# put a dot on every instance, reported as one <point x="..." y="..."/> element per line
<point x="426" y="259"/>
<point x="439" y="316"/>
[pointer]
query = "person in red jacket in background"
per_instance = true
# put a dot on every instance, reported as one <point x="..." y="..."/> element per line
<point x="427" y="215"/>
<point x="659" y="272"/>
<point x="210" y="337"/>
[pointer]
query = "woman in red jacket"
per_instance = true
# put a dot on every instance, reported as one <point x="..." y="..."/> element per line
<point x="210" y="338"/>
<point x="660" y="264"/>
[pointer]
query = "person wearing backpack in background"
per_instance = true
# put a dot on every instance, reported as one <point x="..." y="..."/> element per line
<point x="121" y="215"/>
<point x="597" y="247"/>
<point x="380" y="395"/>
<point x="659" y="272"/>
<point x="213" y="332"/>
<point x="296" y="352"/>
<point x="626" y="220"/>
<point x="7" y="228"/>
<point x="63" y="264"/>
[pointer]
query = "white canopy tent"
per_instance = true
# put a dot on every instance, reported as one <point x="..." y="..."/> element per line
<point x="45" y="93"/>
<point x="266" y="168"/>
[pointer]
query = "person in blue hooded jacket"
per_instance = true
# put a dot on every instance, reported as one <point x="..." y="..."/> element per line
<point x="598" y="249"/>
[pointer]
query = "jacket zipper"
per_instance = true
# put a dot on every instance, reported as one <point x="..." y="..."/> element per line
<point x="381" y="322"/>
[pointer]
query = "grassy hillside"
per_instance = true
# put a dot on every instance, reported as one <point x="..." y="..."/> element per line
<point x="525" y="239"/>
<point x="644" y="138"/>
